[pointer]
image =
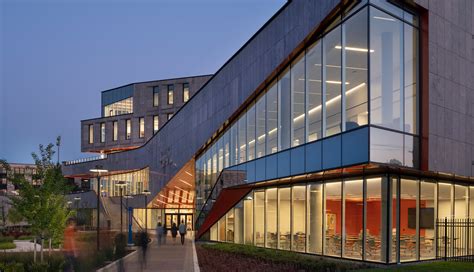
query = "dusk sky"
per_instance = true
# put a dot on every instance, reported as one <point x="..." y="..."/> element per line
<point x="57" y="56"/>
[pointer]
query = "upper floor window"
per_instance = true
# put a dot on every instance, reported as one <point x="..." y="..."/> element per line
<point x="91" y="134"/>
<point x="141" y="121"/>
<point x="156" y="124"/>
<point x="156" y="96"/>
<point x="128" y="129"/>
<point x="124" y="106"/>
<point x="185" y="92"/>
<point x="170" y="115"/>
<point x="102" y="132"/>
<point x="170" y="94"/>
<point x="115" y="135"/>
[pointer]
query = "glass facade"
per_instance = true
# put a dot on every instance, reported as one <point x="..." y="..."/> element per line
<point x="350" y="77"/>
<point x="91" y="134"/>
<point x="102" y="132"/>
<point x="156" y="96"/>
<point x="170" y="95"/>
<point x="136" y="182"/>
<point x="141" y="131"/>
<point x="128" y="129"/>
<point x="124" y="106"/>
<point x="185" y="92"/>
<point x="115" y="130"/>
<point x="364" y="218"/>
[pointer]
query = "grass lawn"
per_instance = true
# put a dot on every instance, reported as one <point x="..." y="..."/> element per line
<point x="7" y="245"/>
<point x="431" y="267"/>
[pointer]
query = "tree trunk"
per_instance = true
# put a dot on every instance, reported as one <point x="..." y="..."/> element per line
<point x="34" y="251"/>
<point x="49" y="251"/>
<point x="42" y="246"/>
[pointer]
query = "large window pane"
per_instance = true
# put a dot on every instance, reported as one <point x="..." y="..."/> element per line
<point x="410" y="77"/>
<point x="248" y="219"/>
<point x="445" y="208"/>
<point x="220" y="155"/>
<point x="272" y="118"/>
<point x="234" y="144"/>
<point x="284" y="218"/>
<point x="460" y="201"/>
<point x="271" y="218"/>
<point x="251" y="133"/>
<point x="230" y="226"/>
<point x="315" y="218"/>
<point x="355" y="56"/>
<point x="299" y="218"/>
<point x="298" y="100"/>
<point x="314" y="91"/>
<point x="284" y="113"/>
<point x="226" y="146"/>
<point x="353" y="219"/>
<point x="242" y="138"/>
<point x="375" y="219"/>
<point x="386" y="146"/>
<point x="214" y="232"/>
<point x="260" y="129"/>
<point x="333" y="207"/>
<point x="221" y="229"/>
<point x="408" y="219"/>
<point x="332" y="81"/>
<point x="385" y="48"/>
<point x="259" y="218"/>
<point x="239" y="223"/>
<point x="427" y="220"/>
<point x="394" y="218"/>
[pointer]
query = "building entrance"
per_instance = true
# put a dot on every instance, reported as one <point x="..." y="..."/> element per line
<point x="177" y="218"/>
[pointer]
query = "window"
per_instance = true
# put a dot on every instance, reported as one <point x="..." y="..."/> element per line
<point x="251" y="133"/>
<point x="298" y="115"/>
<point x="156" y="96"/>
<point x="242" y="139"/>
<point x="124" y="106"/>
<point x="284" y="116"/>
<point x="298" y="218"/>
<point x="259" y="218"/>
<point x="169" y="116"/>
<point x="170" y="94"/>
<point x="427" y="220"/>
<point x="284" y="218"/>
<point x="141" y="121"/>
<point x="230" y="226"/>
<point x="271" y="218"/>
<point x="128" y="130"/>
<point x="408" y="219"/>
<point x="185" y="92"/>
<point x="102" y="132"/>
<point x="314" y="91"/>
<point x="91" y="134"/>
<point x="375" y="218"/>
<point x="115" y="135"/>
<point x="315" y="218"/>
<point x="248" y="220"/>
<point x="156" y="124"/>
<point x="410" y="78"/>
<point x="272" y="118"/>
<point x="353" y="218"/>
<point x="333" y="206"/>
<point x="332" y="81"/>
<point x="260" y="127"/>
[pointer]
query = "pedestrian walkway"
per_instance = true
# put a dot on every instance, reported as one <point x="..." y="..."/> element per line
<point x="168" y="257"/>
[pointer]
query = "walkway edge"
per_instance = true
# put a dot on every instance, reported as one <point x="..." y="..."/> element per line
<point x="115" y="263"/>
<point x="195" y="259"/>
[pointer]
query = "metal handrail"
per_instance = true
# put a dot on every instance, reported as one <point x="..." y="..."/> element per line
<point x="89" y="159"/>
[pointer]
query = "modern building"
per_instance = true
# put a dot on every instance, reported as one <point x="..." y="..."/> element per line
<point x="28" y="171"/>
<point x="341" y="128"/>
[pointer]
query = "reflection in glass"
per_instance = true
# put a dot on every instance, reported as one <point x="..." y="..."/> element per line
<point x="408" y="219"/>
<point x="315" y="218"/>
<point x="355" y="56"/>
<point x="395" y="219"/>
<point x="271" y="218"/>
<point x="410" y="77"/>
<point x="375" y="220"/>
<point x="332" y="81"/>
<point x="333" y="206"/>
<point x="314" y="91"/>
<point x="260" y="129"/>
<point x="234" y="144"/>
<point x="124" y="106"/>
<point x="427" y="220"/>
<point x="411" y="156"/>
<point x="248" y="219"/>
<point x="251" y="133"/>
<point x="284" y="218"/>
<point x="259" y="218"/>
<point x="242" y="138"/>
<point x="284" y="113"/>
<point x="353" y="219"/>
<point x="386" y="146"/>
<point x="386" y="52"/>
<point x="298" y="100"/>
<point x="299" y="218"/>
<point x="272" y="118"/>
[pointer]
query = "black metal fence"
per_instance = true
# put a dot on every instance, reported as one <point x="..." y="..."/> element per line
<point x="455" y="239"/>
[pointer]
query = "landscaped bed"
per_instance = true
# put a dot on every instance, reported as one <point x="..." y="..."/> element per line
<point x="234" y="257"/>
<point x="430" y="267"/>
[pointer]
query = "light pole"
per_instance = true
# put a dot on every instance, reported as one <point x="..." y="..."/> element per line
<point x="121" y="184"/>
<point x="76" y="200"/>
<point x="98" y="170"/>
<point x="146" y="193"/>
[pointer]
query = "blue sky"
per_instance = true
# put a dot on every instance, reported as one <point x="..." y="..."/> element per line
<point x="56" y="57"/>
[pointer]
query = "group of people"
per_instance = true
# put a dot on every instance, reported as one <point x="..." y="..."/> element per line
<point x="161" y="232"/>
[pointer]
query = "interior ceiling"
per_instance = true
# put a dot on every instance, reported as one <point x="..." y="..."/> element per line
<point x="180" y="190"/>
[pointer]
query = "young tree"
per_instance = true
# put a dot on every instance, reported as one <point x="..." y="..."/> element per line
<point x="44" y="207"/>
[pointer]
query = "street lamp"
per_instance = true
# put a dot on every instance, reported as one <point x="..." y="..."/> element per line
<point x="146" y="193"/>
<point x="98" y="170"/>
<point x="121" y="184"/>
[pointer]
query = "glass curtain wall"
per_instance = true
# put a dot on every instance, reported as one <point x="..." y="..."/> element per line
<point x="136" y="182"/>
<point x="271" y="218"/>
<point x="298" y="100"/>
<point x="248" y="219"/>
<point x="353" y="218"/>
<point x="284" y="218"/>
<point x="298" y="219"/>
<point x="259" y="218"/>
<point x="333" y="219"/>
<point x="409" y="225"/>
<point x="314" y="91"/>
<point x="427" y="220"/>
<point x="375" y="219"/>
<point x="315" y="218"/>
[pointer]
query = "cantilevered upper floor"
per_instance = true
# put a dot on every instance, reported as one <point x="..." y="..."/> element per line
<point x="133" y="113"/>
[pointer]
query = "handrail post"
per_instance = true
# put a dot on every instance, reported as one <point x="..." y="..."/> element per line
<point x="445" y="238"/>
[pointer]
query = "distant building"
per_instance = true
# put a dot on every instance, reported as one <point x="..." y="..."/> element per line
<point x="25" y="169"/>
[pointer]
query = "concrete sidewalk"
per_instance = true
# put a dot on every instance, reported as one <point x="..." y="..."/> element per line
<point x="171" y="256"/>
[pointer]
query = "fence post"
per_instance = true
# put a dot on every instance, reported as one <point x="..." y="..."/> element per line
<point x="445" y="238"/>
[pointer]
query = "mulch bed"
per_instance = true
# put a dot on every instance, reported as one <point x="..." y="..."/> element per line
<point x="211" y="260"/>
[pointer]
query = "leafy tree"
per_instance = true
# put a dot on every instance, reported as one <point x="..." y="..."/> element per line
<point x="44" y="207"/>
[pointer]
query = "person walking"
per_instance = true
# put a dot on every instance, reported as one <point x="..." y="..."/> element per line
<point x="174" y="232"/>
<point x="182" y="231"/>
<point x="69" y="247"/>
<point x="143" y="242"/>
<point x="159" y="233"/>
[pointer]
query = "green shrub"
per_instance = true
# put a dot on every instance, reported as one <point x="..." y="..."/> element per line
<point x="7" y="245"/>
<point x="4" y="239"/>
